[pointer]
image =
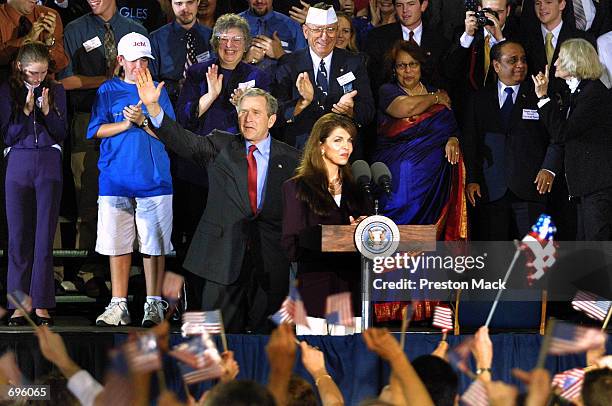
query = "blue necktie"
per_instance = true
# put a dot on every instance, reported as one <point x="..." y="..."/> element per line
<point x="322" y="78"/>
<point x="506" y="109"/>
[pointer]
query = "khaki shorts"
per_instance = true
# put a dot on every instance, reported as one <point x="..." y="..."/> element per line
<point x="123" y="219"/>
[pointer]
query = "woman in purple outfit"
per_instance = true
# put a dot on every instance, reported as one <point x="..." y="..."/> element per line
<point x="33" y="123"/>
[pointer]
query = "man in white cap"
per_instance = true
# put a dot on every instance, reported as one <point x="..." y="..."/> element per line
<point x="135" y="198"/>
<point x="320" y="79"/>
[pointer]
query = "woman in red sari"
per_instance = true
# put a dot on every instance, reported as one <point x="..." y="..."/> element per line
<point x="418" y="139"/>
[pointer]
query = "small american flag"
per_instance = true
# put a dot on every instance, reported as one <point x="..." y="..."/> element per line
<point x="292" y="310"/>
<point x="212" y="369"/>
<point x="459" y="355"/>
<point x="594" y="306"/>
<point x="570" y="382"/>
<point x="568" y="338"/>
<point x="211" y="366"/>
<point x="196" y="322"/>
<point x="23" y="300"/>
<point x="142" y="354"/>
<point x="339" y="309"/>
<point x="476" y="394"/>
<point x="540" y="248"/>
<point x="190" y="352"/>
<point x="443" y="318"/>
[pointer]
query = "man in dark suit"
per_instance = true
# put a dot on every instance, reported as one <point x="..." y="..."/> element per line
<point x="543" y="40"/>
<point x="590" y="16"/>
<point x="510" y="161"/>
<point x="410" y="27"/>
<point x="320" y="79"/>
<point x="469" y="60"/>
<point x="236" y="247"/>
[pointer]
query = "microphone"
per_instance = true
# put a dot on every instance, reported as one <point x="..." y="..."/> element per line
<point x="362" y="175"/>
<point x="382" y="176"/>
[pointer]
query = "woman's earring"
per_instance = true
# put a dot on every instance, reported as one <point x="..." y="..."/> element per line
<point x="322" y="152"/>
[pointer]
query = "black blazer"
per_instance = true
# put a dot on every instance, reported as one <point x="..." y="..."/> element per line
<point x="382" y="39"/>
<point x="601" y="24"/>
<point x="533" y="41"/>
<point x="465" y="66"/>
<point x="587" y="136"/>
<point x="227" y="225"/>
<point x="498" y="159"/>
<point x="284" y="89"/>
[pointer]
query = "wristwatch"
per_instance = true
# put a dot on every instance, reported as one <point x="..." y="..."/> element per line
<point x="145" y="123"/>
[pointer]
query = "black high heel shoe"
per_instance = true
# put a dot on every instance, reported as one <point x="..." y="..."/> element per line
<point x="18" y="321"/>
<point x="43" y="321"/>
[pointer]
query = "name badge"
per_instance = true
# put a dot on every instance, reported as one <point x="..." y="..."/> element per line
<point x="346" y="78"/>
<point x="284" y="44"/>
<point x="246" y="85"/>
<point x="204" y="56"/>
<point x="529" y="114"/>
<point x="92" y="44"/>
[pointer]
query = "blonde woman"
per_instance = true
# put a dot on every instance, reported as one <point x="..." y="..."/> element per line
<point x="583" y="123"/>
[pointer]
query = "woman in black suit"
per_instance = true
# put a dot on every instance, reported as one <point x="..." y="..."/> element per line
<point x="323" y="192"/>
<point x="583" y="124"/>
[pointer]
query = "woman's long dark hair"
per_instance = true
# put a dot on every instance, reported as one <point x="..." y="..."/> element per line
<point x="311" y="174"/>
<point x="32" y="52"/>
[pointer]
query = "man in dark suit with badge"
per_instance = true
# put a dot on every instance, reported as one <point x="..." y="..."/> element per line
<point x="236" y="247"/>
<point x="320" y="79"/>
<point x="511" y="163"/>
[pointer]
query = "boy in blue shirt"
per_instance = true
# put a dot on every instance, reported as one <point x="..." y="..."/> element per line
<point x="135" y="187"/>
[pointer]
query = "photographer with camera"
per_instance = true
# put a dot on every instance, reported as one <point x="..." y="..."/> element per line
<point x="469" y="58"/>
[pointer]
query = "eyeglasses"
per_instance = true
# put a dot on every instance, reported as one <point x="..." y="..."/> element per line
<point x="404" y="66"/>
<point x="514" y="60"/>
<point x="318" y="31"/>
<point x="226" y="39"/>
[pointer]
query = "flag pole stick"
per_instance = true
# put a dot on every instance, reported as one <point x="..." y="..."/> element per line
<point x="405" y="323"/>
<point x="20" y="307"/>
<point x="608" y="316"/>
<point x="223" y="338"/>
<point x="456" y="326"/>
<point x="543" y="312"/>
<point x="545" y="344"/>
<point x="517" y="253"/>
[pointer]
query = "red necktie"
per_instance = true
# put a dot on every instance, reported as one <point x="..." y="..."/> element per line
<point x="252" y="178"/>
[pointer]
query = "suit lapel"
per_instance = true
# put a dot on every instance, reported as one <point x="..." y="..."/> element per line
<point x="274" y="177"/>
<point x="517" y="110"/>
<point x="337" y="69"/>
<point x="237" y="155"/>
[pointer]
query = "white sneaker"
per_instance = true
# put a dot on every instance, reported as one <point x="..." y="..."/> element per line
<point x="154" y="312"/>
<point x="116" y="314"/>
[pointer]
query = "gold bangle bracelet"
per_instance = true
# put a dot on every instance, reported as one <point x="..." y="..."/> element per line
<point x="322" y="376"/>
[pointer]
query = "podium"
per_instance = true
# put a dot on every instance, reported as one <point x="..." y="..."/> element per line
<point x="340" y="239"/>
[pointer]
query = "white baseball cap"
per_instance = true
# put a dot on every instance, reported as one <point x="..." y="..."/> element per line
<point x="319" y="16"/>
<point x="134" y="46"/>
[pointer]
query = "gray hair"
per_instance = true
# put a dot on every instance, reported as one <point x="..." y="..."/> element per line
<point x="229" y="21"/>
<point x="579" y="58"/>
<point x="271" y="102"/>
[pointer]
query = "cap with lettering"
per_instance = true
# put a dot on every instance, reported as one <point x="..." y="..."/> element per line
<point x="134" y="46"/>
<point x="318" y="16"/>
